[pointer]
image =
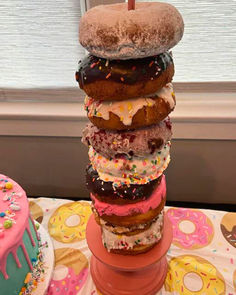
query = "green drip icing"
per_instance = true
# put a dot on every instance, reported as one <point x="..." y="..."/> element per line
<point x="13" y="285"/>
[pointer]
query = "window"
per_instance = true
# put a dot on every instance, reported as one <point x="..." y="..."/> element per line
<point x="40" y="48"/>
<point x="207" y="51"/>
<point x="40" y="52"/>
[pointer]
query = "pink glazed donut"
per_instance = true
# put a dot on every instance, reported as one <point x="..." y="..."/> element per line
<point x="192" y="229"/>
<point x="114" y="32"/>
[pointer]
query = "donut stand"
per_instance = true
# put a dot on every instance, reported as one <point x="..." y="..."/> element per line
<point x="123" y="274"/>
<point x="114" y="274"/>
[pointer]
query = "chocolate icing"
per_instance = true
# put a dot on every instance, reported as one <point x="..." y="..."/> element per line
<point x="131" y="71"/>
<point x="104" y="191"/>
<point x="230" y="236"/>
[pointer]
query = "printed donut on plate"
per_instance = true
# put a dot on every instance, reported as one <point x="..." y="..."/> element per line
<point x="234" y="280"/>
<point x="102" y="79"/>
<point x="138" y="142"/>
<point x="114" y="32"/>
<point x="70" y="273"/>
<point x="131" y="113"/>
<point x="36" y="211"/>
<point x="190" y="274"/>
<point x="68" y="223"/>
<point x="192" y="229"/>
<point x="228" y="228"/>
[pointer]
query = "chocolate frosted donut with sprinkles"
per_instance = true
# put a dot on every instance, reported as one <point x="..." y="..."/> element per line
<point x="123" y="79"/>
<point x="105" y="191"/>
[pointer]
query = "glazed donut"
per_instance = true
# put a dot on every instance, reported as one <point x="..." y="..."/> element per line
<point x="123" y="171"/>
<point x="131" y="214"/>
<point x="132" y="243"/>
<point x="104" y="191"/>
<point x="104" y="79"/>
<point x="68" y="223"/>
<point x="193" y="275"/>
<point x="70" y="273"/>
<point x="228" y="228"/>
<point x="138" y="143"/>
<point x="114" y="32"/>
<point x="192" y="229"/>
<point x="131" y="113"/>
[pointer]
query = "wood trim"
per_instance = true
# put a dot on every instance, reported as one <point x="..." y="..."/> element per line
<point x="196" y="116"/>
<point x="210" y="87"/>
<point x="73" y="94"/>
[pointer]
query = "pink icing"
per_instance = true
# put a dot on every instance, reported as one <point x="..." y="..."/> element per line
<point x="69" y="285"/>
<point x="202" y="228"/>
<point x="14" y="204"/>
<point x="137" y="208"/>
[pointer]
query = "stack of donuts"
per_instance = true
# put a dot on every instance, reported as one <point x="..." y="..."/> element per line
<point x="127" y="80"/>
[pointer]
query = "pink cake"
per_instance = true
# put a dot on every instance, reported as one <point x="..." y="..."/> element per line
<point x="19" y="245"/>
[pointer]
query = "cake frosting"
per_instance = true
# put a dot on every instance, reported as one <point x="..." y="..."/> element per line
<point x="130" y="209"/>
<point x="150" y="236"/>
<point x="18" y="238"/>
<point x="138" y="170"/>
<point x="126" y="109"/>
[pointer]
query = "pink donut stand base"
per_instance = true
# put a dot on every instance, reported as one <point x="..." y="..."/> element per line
<point x="114" y="274"/>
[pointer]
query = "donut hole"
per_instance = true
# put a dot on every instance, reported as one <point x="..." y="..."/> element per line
<point x="187" y="226"/>
<point x="60" y="272"/>
<point x="193" y="282"/>
<point x="73" y="220"/>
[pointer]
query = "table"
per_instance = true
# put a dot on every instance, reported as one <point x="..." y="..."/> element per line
<point x="202" y="257"/>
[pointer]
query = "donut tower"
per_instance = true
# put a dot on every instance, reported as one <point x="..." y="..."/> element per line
<point x="127" y="80"/>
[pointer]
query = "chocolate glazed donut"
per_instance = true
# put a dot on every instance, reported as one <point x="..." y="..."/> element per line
<point x="103" y="190"/>
<point x="124" y="79"/>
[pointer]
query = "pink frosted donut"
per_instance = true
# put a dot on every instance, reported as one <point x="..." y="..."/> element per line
<point x="114" y="32"/>
<point x="192" y="229"/>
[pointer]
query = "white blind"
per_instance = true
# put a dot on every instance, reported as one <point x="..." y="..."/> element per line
<point x="39" y="45"/>
<point x="207" y="51"/>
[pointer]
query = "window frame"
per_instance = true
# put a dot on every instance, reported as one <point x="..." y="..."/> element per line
<point x="205" y="110"/>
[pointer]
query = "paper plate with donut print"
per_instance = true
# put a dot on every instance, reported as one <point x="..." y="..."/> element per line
<point x="192" y="229"/>
<point x="36" y="211"/>
<point x="70" y="273"/>
<point x="228" y="228"/>
<point x="190" y="274"/>
<point x="68" y="223"/>
<point x="234" y="280"/>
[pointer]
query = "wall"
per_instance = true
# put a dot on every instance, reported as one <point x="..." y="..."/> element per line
<point x="200" y="171"/>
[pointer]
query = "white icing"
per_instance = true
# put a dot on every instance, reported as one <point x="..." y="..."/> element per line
<point x="138" y="170"/>
<point x="150" y="236"/>
<point x="124" y="109"/>
<point x="167" y="94"/>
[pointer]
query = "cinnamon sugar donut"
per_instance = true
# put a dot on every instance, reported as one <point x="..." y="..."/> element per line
<point x="124" y="79"/>
<point x="114" y="32"/>
<point x="139" y="142"/>
<point x="131" y="113"/>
